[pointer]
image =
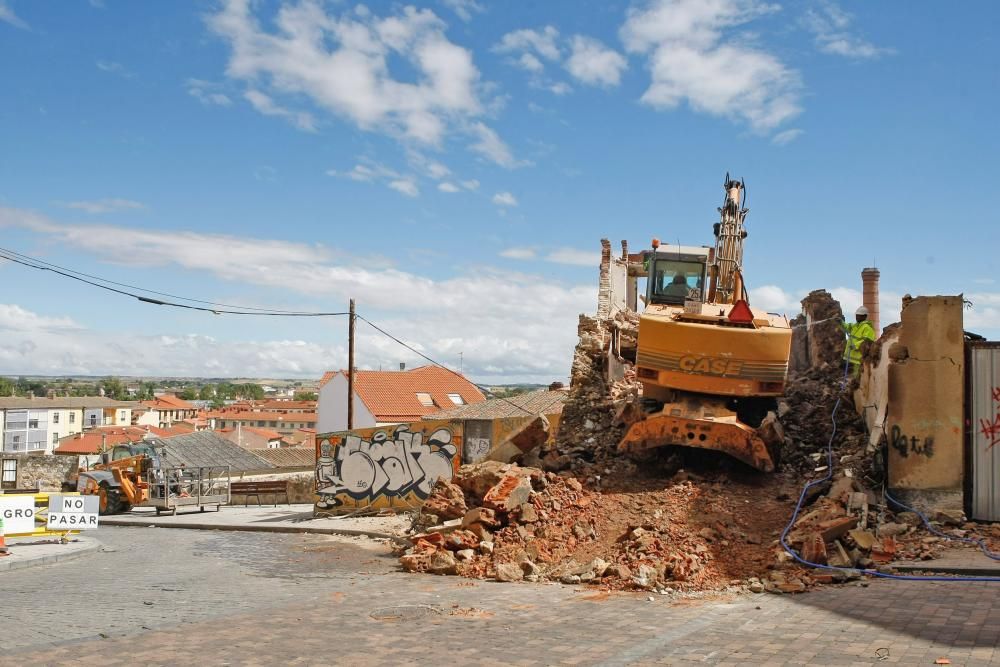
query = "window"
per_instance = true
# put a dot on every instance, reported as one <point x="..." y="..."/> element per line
<point x="261" y="423"/>
<point x="673" y="281"/>
<point x="32" y="423"/>
<point x="55" y="417"/>
<point x="273" y="424"/>
<point x="457" y="399"/>
<point x="17" y="441"/>
<point x="72" y="418"/>
<point x="9" y="474"/>
<point x="121" y="415"/>
<point x="425" y="399"/>
<point x="93" y="419"/>
<point x="55" y="438"/>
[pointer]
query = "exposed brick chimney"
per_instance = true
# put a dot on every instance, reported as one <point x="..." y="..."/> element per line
<point x="869" y="280"/>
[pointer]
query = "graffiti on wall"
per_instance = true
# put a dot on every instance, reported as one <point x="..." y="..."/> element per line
<point x="390" y="467"/>
<point x="907" y="445"/>
<point x="991" y="429"/>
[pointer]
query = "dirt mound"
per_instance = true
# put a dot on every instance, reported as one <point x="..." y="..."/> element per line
<point x="684" y="533"/>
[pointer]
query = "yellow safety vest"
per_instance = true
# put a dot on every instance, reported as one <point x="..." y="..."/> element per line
<point x="857" y="332"/>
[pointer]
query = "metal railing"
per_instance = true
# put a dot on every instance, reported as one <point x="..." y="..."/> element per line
<point x="172" y="483"/>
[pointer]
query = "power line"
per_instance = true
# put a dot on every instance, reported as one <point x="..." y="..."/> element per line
<point x="421" y="354"/>
<point x="221" y="309"/>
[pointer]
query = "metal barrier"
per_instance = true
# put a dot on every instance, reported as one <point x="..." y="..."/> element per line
<point x="41" y="511"/>
<point x="173" y="487"/>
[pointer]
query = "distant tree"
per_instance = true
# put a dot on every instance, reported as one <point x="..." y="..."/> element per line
<point x="6" y="387"/>
<point x="147" y="391"/>
<point x="187" y="394"/>
<point x="207" y="392"/>
<point x="225" y="390"/>
<point x="250" y="391"/>
<point x="305" y="396"/>
<point x="217" y="403"/>
<point x="114" y="388"/>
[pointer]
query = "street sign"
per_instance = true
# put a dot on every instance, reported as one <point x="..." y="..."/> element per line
<point x="73" y="512"/>
<point x="18" y="514"/>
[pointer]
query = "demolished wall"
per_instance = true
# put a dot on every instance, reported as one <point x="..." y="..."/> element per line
<point x="925" y="417"/>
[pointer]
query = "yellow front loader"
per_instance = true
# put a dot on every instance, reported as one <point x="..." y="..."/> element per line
<point x="711" y="366"/>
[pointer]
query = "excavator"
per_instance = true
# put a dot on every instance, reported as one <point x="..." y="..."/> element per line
<point x="711" y="367"/>
<point x="118" y="480"/>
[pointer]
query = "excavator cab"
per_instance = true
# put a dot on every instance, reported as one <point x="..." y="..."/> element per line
<point x="676" y="278"/>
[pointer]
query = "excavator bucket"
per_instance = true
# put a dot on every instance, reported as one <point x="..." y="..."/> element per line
<point x="697" y="425"/>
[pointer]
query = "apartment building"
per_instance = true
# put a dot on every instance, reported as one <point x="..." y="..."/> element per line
<point x="35" y="425"/>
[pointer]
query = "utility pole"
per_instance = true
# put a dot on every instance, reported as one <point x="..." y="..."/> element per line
<point x="350" y="369"/>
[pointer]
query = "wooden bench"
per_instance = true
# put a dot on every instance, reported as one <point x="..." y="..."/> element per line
<point x="13" y="491"/>
<point x="247" y="489"/>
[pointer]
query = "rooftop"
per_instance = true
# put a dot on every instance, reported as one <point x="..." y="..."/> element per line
<point x="288" y="457"/>
<point x="541" y="402"/>
<point x="280" y="417"/>
<point x="207" y="448"/>
<point x="94" y="440"/>
<point x="393" y="395"/>
<point x="62" y="402"/>
<point x="169" y="402"/>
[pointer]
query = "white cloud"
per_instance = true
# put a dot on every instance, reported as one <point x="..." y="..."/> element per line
<point x="15" y="318"/>
<point x="830" y="26"/>
<point x="405" y="186"/>
<point x="519" y="253"/>
<point x="544" y="42"/>
<point x="472" y="184"/>
<point x="345" y="64"/>
<point x="464" y="9"/>
<point x="773" y="299"/>
<point x="446" y="186"/>
<point x="787" y="136"/>
<point x="501" y="337"/>
<point x="110" y="205"/>
<point x="984" y="315"/>
<point x="560" y="88"/>
<point x="591" y="62"/>
<point x="7" y="15"/>
<point x="574" y="257"/>
<point x="693" y="57"/>
<point x="265" y="105"/>
<point x="504" y="199"/>
<point x="375" y="172"/>
<point x="207" y="93"/>
<point x="489" y="144"/>
<point x="114" y="68"/>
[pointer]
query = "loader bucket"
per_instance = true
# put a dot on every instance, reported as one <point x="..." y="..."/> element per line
<point x="726" y="435"/>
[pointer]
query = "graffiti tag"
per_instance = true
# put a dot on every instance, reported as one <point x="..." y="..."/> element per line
<point x="400" y="465"/>
<point x="996" y="394"/>
<point x="991" y="430"/>
<point x="910" y="445"/>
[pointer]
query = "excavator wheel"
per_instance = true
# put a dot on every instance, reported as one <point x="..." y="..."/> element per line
<point x="111" y="500"/>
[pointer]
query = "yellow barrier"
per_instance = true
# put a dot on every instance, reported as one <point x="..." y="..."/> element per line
<point x="41" y="516"/>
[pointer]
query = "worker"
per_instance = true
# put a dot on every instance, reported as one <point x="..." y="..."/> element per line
<point x="678" y="286"/>
<point x="857" y="332"/>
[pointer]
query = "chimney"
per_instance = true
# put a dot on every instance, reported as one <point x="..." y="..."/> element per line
<point x="869" y="280"/>
<point x="402" y="366"/>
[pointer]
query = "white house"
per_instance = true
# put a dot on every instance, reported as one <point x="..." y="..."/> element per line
<point x="29" y="425"/>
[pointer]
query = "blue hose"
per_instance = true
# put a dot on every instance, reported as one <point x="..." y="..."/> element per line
<point x="869" y="572"/>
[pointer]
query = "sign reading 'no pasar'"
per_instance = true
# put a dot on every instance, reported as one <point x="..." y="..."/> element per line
<point x="73" y="512"/>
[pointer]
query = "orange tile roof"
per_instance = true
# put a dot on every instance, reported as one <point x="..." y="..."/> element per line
<point x="292" y="417"/>
<point x="392" y="395"/>
<point x="169" y="402"/>
<point x="286" y="405"/>
<point x="267" y="433"/>
<point x="329" y="375"/>
<point x="91" y="441"/>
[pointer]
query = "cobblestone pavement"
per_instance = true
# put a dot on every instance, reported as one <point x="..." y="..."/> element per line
<point x="225" y="598"/>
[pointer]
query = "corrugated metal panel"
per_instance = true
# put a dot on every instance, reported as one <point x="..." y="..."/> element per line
<point x="984" y="413"/>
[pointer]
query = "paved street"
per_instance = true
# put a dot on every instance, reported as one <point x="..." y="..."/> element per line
<point x="227" y="598"/>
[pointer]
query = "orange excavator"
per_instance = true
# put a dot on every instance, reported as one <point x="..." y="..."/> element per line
<point x="711" y="367"/>
<point x="118" y="479"/>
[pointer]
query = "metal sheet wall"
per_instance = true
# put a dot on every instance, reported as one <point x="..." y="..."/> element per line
<point x="984" y="417"/>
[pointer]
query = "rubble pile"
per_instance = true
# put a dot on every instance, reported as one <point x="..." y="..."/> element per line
<point x="589" y="429"/>
<point x="526" y="524"/>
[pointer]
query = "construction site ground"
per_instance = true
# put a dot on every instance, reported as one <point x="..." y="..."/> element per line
<point x="176" y="596"/>
<point x="266" y="518"/>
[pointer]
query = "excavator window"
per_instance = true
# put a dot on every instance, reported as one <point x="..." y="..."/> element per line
<point x="675" y="281"/>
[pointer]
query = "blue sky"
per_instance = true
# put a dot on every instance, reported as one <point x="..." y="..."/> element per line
<point x="453" y="165"/>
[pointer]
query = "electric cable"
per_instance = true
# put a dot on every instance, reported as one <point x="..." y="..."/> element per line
<point x="222" y="309"/>
<point x="219" y="309"/>
<point x="829" y="474"/>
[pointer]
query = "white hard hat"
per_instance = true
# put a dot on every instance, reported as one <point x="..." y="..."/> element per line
<point x="861" y="311"/>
